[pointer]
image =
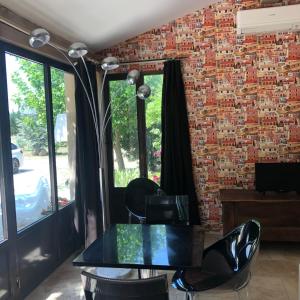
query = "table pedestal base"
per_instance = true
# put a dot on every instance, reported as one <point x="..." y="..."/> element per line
<point x="145" y="273"/>
<point x="113" y="272"/>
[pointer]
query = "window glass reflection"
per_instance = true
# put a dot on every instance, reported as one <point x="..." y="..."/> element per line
<point x="130" y="243"/>
<point x="158" y="236"/>
<point x="29" y="137"/>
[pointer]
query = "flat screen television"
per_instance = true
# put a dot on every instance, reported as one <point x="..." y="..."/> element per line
<point x="279" y="177"/>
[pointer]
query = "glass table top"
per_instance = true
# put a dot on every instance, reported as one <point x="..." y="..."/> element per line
<point x="165" y="247"/>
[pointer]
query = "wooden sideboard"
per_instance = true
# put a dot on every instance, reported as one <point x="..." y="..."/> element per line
<point x="278" y="213"/>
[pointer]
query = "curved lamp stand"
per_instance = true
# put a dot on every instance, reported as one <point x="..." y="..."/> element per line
<point x="41" y="37"/>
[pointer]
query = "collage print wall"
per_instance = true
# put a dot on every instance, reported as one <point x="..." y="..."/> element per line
<point x="243" y="95"/>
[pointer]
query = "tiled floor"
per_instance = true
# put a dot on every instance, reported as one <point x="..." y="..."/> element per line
<point x="275" y="277"/>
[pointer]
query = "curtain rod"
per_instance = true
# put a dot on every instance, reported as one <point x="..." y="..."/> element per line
<point x="25" y="31"/>
<point x="151" y="60"/>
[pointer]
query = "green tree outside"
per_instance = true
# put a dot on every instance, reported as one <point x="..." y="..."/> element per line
<point x="124" y="125"/>
<point x="29" y="123"/>
<point x="153" y="122"/>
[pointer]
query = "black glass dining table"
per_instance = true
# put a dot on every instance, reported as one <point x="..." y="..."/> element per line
<point x="144" y="246"/>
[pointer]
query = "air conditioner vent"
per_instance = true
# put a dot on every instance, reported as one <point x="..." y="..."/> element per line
<point x="272" y="19"/>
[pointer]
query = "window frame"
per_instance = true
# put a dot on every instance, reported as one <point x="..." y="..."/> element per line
<point x="141" y="127"/>
<point x="7" y="194"/>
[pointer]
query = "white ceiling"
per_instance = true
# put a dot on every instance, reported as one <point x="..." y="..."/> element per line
<point x="101" y="24"/>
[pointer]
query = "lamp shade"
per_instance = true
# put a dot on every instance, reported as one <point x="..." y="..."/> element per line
<point x="144" y="92"/>
<point x="77" y="50"/>
<point x="133" y="76"/>
<point x="39" y="37"/>
<point x="109" y="63"/>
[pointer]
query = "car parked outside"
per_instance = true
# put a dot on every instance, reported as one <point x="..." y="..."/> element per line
<point x="32" y="199"/>
<point x="17" y="157"/>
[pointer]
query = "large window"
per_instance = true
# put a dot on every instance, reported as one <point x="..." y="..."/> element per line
<point x="38" y="190"/>
<point x="37" y="168"/>
<point x="136" y="129"/>
<point x="29" y="137"/>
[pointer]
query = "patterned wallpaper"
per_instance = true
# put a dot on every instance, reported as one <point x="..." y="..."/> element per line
<point x="243" y="95"/>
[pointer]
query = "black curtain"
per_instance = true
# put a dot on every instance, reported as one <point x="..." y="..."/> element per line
<point x="88" y="208"/>
<point x="176" y="169"/>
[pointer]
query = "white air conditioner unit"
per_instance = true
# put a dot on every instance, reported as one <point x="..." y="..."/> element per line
<point x="272" y="19"/>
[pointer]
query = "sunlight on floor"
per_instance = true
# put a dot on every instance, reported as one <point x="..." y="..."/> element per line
<point x="54" y="296"/>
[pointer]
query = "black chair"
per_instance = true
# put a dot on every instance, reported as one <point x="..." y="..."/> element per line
<point x="167" y="209"/>
<point x="226" y="264"/>
<point x="135" y="193"/>
<point x="97" y="288"/>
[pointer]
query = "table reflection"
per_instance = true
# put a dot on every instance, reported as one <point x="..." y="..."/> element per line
<point x="143" y="245"/>
<point x="158" y="236"/>
<point x="129" y="244"/>
<point x="146" y="246"/>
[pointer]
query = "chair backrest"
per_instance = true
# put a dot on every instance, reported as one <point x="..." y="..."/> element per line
<point x="96" y="287"/>
<point x="231" y="258"/>
<point x="135" y="193"/>
<point x="167" y="209"/>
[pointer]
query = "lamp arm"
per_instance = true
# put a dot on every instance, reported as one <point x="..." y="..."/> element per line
<point x="87" y="95"/>
<point x="103" y="81"/>
<point x="102" y="98"/>
<point x="97" y="130"/>
<point x="92" y="91"/>
<point x="107" y="109"/>
<point x="105" y="122"/>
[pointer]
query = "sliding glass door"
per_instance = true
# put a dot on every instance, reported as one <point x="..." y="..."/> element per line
<point x="37" y="168"/>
